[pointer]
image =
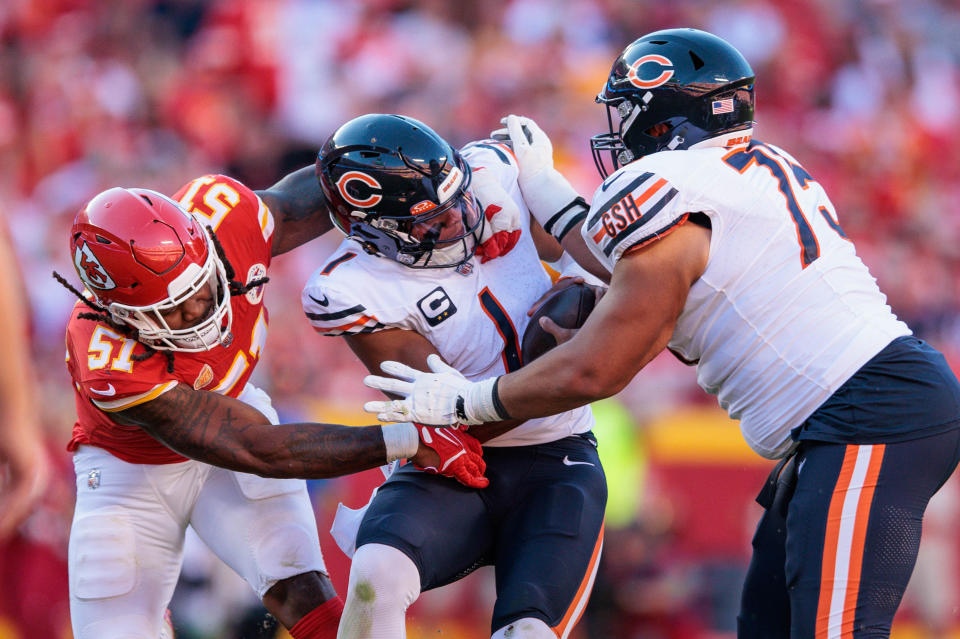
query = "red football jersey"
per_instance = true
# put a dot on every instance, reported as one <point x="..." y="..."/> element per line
<point x="100" y="359"/>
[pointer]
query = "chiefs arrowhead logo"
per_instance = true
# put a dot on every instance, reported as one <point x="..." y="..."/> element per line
<point x="90" y="269"/>
<point x="204" y="378"/>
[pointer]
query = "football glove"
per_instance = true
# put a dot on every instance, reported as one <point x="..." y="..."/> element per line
<point x="440" y="397"/>
<point x="552" y="200"/>
<point x="461" y="456"/>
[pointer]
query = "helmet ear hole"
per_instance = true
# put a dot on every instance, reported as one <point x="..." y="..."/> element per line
<point x="658" y="129"/>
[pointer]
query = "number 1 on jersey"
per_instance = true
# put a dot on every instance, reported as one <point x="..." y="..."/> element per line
<point x="511" y="343"/>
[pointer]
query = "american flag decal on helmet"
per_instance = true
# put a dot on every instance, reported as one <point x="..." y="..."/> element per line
<point x="722" y="106"/>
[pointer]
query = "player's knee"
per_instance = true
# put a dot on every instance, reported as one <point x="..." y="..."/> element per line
<point x="286" y="548"/>
<point x="526" y="628"/>
<point x="291" y="599"/>
<point x="383" y="584"/>
<point x="383" y="576"/>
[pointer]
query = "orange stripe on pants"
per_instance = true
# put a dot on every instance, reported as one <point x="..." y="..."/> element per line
<point x="847" y="520"/>
<point x="579" y="603"/>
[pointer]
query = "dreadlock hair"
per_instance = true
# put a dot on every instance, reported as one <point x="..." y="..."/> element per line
<point x="101" y="314"/>
<point x="236" y="287"/>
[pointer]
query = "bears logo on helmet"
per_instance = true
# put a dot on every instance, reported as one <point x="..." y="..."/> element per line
<point x="350" y="176"/>
<point x="401" y="191"/>
<point x="634" y="74"/>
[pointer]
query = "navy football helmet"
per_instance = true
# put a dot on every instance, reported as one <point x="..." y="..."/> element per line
<point x="674" y="89"/>
<point x="401" y="191"/>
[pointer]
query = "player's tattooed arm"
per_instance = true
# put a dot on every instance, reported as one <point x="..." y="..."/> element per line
<point x="226" y="432"/>
<point x="300" y="211"/>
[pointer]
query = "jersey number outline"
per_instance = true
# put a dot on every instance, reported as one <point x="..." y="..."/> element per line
<point x="511" y="343"/>
<point x="762" y="155"/>
<point x="100" y="350"/>
<point x="219" y="199"/>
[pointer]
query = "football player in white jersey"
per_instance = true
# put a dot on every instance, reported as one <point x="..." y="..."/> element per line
<point x="419" y="276"/>
<point x="724" y="250"/>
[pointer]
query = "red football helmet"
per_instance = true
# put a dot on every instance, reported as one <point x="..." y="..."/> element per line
<point x="140" y="254"/>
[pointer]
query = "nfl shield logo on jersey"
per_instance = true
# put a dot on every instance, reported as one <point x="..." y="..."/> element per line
<point x="93" y="479"/>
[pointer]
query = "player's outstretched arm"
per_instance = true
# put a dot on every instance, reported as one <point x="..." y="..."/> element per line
<point x="300" y="211"/>
<point x="226" y="432"/>
<point x="630" y="326"/>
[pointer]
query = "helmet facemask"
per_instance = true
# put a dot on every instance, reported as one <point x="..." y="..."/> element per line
<point x="151" y="326"/>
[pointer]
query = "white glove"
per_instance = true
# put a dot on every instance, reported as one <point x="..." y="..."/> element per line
<point x="554" y="202"/>
<point x="501" y="231"/>
<point x="442" y="397"/>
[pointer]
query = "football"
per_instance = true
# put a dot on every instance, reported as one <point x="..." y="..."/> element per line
<point x="568" y="307"/>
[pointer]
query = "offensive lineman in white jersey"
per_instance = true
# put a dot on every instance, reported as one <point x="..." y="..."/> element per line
<point x="419" y="275"/>
<point x="726" y="251"/>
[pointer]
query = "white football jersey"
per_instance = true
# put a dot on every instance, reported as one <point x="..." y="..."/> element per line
<point x="474" y="317"/>
<point x="785" y="312"/>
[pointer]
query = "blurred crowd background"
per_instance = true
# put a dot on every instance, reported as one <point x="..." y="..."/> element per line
<point x="150" y="93"/>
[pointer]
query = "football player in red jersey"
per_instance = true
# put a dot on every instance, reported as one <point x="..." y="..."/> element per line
<point x="173" y="309"/>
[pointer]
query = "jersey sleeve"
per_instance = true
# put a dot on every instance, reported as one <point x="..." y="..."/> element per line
<point x="495" y="156"/>
<point x="101" y="361"/>
<point x="231" y="209"/>
<point x="630" y="209"/>
<point x="338" y="301"/>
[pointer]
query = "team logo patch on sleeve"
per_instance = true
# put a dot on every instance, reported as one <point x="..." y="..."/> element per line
<point x="628" y="210"/>
<point x="203" y="378"/>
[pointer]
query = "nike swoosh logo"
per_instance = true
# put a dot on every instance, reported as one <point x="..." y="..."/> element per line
<point x="567" y="462"/>
<point x="110" y="391"/>
<point x="322" y="302"/>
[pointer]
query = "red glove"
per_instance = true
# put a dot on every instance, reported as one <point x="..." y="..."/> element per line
<point x="461" y="455"/>
<point x="498" y="237"/>
<point x="504" y="219"/>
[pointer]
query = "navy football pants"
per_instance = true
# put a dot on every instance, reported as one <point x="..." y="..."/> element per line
<point x="834" y="550"/>
<point x="540" y="523"/>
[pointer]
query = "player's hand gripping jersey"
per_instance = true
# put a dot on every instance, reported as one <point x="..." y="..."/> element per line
<point x="360" y="293"/>
<point x="776" y="250"/>
<point x="100" y="358"/>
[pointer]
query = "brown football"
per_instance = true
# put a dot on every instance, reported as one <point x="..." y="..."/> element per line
<point x="569" y="307"/>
